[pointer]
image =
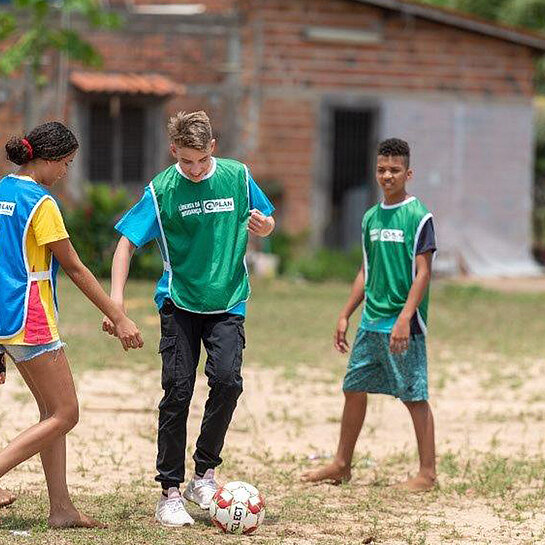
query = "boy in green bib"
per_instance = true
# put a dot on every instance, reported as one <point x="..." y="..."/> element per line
<point x="199" y="211"/>
<point x="389" y="353"/>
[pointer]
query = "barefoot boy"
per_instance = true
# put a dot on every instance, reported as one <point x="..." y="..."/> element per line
<point x="389" y="354"/>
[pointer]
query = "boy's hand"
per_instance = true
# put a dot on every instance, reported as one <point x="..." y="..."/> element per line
<point x="2" y="368"/>
<point x="339" y="338"/>
<point x="259" y="224"/>
<point x="128" y="334"/>
<point x="399" y="339"/>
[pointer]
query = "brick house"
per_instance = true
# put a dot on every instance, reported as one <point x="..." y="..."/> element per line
<point x="303" y="90"/>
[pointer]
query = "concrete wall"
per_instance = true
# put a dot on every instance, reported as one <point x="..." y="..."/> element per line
<point x="473" y="168"/>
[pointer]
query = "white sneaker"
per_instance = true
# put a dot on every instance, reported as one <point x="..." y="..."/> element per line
<point x="171" y="510"/>
<point x="200" y="490"/>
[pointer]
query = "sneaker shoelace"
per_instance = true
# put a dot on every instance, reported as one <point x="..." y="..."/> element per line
<point x="208" y="486"/>
<point x="175" y="504"/>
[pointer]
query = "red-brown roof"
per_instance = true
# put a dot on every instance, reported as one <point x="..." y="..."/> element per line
<point x="125" y="83"/>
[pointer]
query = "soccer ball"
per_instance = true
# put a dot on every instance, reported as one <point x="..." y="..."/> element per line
<point x="237" y="508"/>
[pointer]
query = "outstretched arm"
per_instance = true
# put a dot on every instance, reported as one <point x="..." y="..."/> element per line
<point x="120" y="272"/>
<point x="128" y="333"/>
<point x="357" y="295"/>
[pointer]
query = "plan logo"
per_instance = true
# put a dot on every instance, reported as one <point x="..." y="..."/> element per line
<point x="392" y="235"/>
<point x="387" y="235"/>
<point x="7" y="208"/>
<point x="219" y="205"/>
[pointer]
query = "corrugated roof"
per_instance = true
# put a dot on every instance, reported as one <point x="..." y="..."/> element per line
<point x="125" y="83"/>
<point x="462" y="20"/>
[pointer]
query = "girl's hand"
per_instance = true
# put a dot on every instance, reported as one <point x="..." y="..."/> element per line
<point x="108" y="326"/>
<point x="128" y="334"/>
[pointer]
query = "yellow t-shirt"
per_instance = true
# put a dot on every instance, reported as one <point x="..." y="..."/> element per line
<point x="46" y="226"/>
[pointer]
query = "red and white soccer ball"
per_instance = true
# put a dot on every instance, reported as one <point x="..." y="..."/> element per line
<point x="237" y="508"/>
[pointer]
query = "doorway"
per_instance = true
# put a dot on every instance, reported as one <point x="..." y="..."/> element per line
<point x="349" y="186"/>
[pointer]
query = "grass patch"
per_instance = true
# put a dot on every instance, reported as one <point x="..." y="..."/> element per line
<point x="473" y="321"/>
<point x="491" y="336"/>
<point x="290" y="325"/>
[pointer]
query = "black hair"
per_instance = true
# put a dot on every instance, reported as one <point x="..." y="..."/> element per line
<point x="395" y="147"/>
<point x="51" y="141"/>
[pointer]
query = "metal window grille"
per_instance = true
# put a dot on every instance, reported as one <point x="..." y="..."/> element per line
<point x="116" y="143"/>
<point x="100" y="143"/>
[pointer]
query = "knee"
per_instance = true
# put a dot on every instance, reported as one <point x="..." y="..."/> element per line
<point x="178" y="394"/>
<point x="416" y="405"/>
<point x="229" y="387"/>
<point x="71" y="417"/>
<point x="67" y="418"/>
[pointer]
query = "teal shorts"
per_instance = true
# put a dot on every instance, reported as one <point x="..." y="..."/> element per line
<point x="374" y="369"/>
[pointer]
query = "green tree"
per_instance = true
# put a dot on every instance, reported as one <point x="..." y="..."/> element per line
<point x="528" y="13"/>
<point x="32" y="29"/>
<point x="483" y="8"/>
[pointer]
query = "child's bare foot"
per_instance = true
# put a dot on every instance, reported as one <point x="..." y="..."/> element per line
<point x="6" y="497"/>
<point x="420" y="483"/>
<point x="334" y="472"/>
<point x="73" y="519"/>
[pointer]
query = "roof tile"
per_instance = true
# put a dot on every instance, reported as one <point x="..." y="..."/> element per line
<point x="125" y="83"/>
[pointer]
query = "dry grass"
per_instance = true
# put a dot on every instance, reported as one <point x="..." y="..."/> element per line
<point x="487" y="391"/>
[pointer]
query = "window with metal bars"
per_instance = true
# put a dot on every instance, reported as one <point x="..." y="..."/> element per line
<point x="116" y="143"/>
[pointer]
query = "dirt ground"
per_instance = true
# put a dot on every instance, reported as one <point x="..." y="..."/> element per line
<point x="294" y="422"/>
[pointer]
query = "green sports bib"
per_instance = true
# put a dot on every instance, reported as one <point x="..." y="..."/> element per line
<point x="204" y="231"/>
<point x="390" y="235"/>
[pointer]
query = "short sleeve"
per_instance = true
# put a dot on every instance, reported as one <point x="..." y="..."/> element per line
<point x="140" y="224"/>
<point x="426" y="240"/>
<point x="258" y="199"/>
<point x="47" y="223"/>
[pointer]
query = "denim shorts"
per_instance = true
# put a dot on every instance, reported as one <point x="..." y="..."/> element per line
<point x="20" y="352"/>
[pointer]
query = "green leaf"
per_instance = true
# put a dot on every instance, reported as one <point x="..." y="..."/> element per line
<point x="93" y="12"/>
<point x="8" y="24"/>
<point x="75" y="47"/>
<point x="40" y="20"/>
<point x="528" y="13"/>
<point x="23" y="50"/>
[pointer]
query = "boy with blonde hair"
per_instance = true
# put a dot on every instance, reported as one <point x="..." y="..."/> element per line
<point x="199" y="210"/>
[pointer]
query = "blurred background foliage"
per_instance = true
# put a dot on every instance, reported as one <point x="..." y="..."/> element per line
<point x="91" y="228"/>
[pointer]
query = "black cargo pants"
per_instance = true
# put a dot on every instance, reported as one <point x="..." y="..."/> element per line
<point x="180" y="347"/>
